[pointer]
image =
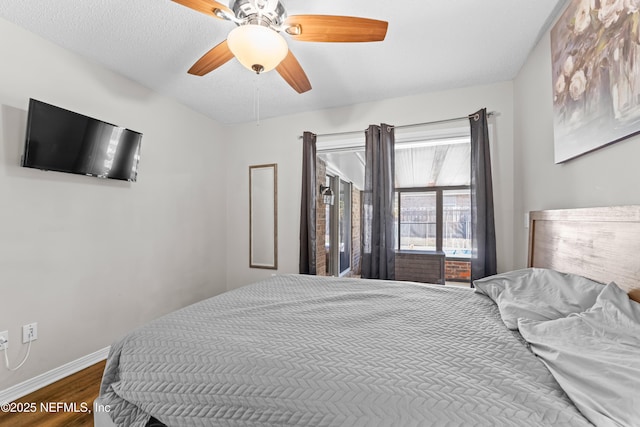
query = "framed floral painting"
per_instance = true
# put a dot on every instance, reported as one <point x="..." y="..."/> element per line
<point x="595" y="48"/>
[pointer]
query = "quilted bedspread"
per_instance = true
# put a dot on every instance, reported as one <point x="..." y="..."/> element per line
<point x="313" y="351"/>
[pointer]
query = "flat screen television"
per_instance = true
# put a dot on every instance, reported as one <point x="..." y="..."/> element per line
<point x="64" y="141"/>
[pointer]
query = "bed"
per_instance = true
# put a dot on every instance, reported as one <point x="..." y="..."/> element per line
<point x="302" y="350"/>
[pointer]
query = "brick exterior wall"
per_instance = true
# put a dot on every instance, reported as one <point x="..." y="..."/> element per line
<point x="457" y="271"/>
<point x="321" y="221"/>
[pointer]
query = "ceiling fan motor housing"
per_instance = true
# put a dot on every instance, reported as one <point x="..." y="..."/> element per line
<point x="269" y="13"/>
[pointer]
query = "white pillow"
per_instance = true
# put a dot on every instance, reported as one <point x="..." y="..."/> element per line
<point x="538" y="294"/>
<point x="595" y="357"/>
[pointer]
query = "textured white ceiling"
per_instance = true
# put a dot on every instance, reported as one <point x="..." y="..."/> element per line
<point x="430" y="45"/>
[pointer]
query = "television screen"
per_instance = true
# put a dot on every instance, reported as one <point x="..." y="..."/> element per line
<point x="64" y="141"/>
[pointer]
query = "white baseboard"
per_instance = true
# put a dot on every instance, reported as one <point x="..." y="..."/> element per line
<point x="43" y="380"/>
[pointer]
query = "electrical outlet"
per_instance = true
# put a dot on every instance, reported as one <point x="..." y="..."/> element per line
<point x="5" y="335"/>
<point x="29" y="332"/>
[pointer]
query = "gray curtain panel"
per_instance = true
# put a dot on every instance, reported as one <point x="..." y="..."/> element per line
<point x="378" y="228"/>
<point x="483" y="257"/>
<point x="308" y="205"/>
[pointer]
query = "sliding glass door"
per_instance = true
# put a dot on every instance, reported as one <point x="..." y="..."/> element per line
<point x="338" y="228"/>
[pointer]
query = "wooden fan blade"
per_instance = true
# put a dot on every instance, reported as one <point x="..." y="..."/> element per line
<point x="207" y="7"/>
<point x="292" y="72"/>
<point x="328" y="28"/>
<point x="211" y="60"/>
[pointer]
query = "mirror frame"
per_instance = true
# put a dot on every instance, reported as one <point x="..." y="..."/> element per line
<point x="263" y="201"/>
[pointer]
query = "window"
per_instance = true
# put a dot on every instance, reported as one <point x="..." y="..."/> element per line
<point x="432" y="203"/>
<point x="456" y="216"/>
<point x="433" y="198"/>
<point x="418" y="225"/>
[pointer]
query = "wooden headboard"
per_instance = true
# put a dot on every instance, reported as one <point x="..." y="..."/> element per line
<point x="602" y="244"/>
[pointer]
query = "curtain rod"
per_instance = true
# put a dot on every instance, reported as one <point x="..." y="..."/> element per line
<point x="435" y="122"/>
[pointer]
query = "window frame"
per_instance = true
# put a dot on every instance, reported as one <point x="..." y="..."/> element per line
<point x="439" y="190"/>
<point x="338" y="184"/>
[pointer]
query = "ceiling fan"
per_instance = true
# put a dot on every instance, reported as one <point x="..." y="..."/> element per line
<point x="256" y="41"/>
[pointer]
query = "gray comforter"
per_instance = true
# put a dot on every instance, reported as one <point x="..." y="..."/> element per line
<point x="310" y="351"/>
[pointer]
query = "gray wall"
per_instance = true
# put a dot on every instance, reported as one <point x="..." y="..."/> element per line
<point x="276" y="141"/>
<point x="606" y="177"/>
<point x="90" y="259"/>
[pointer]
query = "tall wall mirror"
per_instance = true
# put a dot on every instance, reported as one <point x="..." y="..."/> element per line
<point x="263" y="216"/>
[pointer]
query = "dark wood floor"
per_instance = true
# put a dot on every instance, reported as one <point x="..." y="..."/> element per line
<point x="78" y="391"/>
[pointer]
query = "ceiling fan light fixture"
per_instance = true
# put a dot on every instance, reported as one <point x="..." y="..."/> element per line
<point x="258" y="48"/>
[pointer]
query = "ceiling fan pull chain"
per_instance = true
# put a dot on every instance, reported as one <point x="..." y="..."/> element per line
<point x="256" y="100"/>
